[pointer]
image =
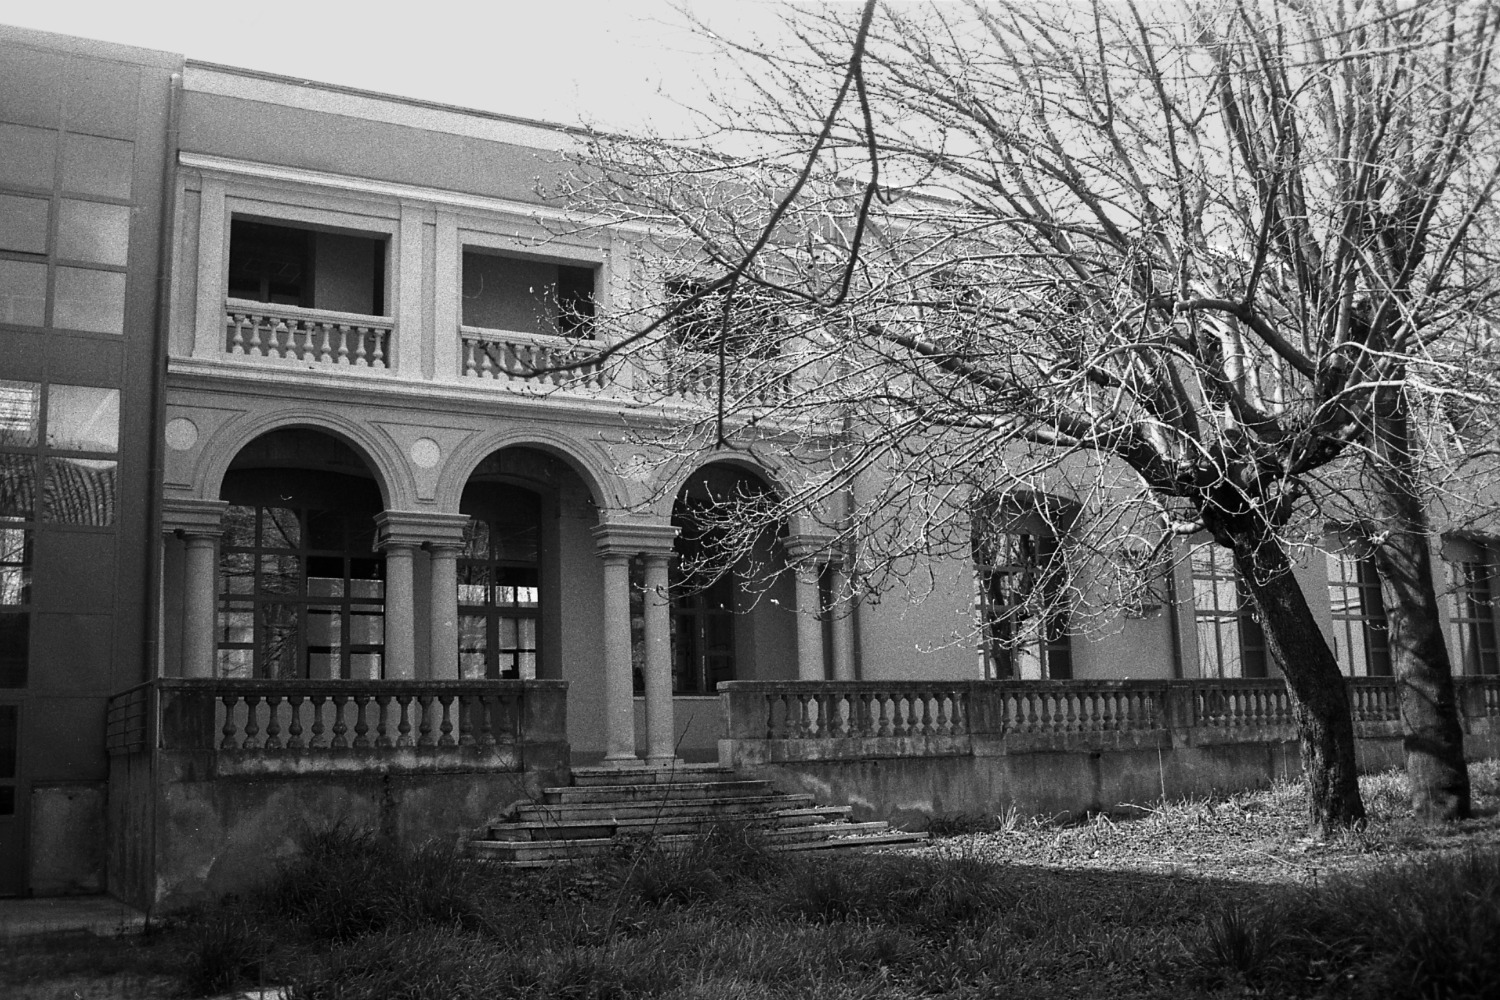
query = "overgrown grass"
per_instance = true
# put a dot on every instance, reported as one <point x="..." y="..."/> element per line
<point x="353" y="918"/>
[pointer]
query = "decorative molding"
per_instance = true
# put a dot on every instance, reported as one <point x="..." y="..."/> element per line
<point x="628" y="538"/>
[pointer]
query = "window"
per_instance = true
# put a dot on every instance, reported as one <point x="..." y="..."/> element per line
<point x="527" y="295"/>
<point x="1473" y="569"/>
<point x="1361" y="640"/>
<point x="312" y="268"/>
<point x="499" y="583"/>
<point x="1230" y="640"/>
<point x="1021" y="604"/>
<point x="301" y="594"/>
<point x="702" y="617"/>
<point x="67" y="447"/>
<point x="82" y="238"/>
<point x="754" y="328"/>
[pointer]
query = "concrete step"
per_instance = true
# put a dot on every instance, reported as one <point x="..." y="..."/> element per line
<point x="603" y="827"/>
<point x="836" y="835"/>
<point x="676" y="774"/>
<point x="721" y="806"/>
<point x="656" y="792"/>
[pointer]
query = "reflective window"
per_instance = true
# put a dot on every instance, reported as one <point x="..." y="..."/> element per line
<point x="87" y="230"/>
<point x="28" y="156"/>
<point x="17" y="486"/>
<point x="1230" y="640"/>
<point x="20" y="413"/>
<point x="96" y="166"/>
<point x="89" y="300"/>
<point x="83" y="418"/>
<point x="15" y="567"/>
<point x="80" y="491"/>
<point x="23" y="293"/>
<point x="1361" y="641"/>
<point x="23" y="223"/>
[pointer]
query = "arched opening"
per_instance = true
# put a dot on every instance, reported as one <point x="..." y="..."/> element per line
<point x="1022" y="587"/>
<point x="301" y="582"/>
<point x="526" y="541"/>
<point x="731" y="615"/>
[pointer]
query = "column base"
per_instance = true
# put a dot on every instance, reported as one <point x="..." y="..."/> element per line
<point x="664" y="762"/>
<point x="622" y="762"/>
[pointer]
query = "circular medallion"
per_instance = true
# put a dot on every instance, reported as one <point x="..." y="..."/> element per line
<point x="425" y="453"/>
<point x="182" y="434"/>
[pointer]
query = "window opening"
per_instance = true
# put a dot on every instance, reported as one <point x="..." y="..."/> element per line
<point x="1020" y="598"/>
<point x="1360" y="635"/>
<point x="499" y="583"/>
<point x="310" y="268"/>
<point x="1474" y="582"/>
<point x="702" y="619"/>
<point x="302" y="594"/>
<point x="755" y="326"/>
<point x="1231" y="642"/>
<point x="524" y="295"/>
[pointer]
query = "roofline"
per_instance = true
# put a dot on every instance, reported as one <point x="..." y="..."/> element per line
<point x="377" y="95"/>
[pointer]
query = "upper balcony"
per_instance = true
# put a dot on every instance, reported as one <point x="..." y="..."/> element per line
<point x="299" y="272"/>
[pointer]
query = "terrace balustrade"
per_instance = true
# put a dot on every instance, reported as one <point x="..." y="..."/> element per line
<point x="811" y="720"/>
<point x="261" y="330"/>
<point x="254" y="726"/>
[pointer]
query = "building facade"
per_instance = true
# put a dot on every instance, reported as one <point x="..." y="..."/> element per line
<point x="280" y="401"/>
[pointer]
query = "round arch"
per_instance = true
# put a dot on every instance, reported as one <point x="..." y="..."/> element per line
<point x="225" y="445"/>
<point x="672" y="482"/>
<point x="583" y="460"/>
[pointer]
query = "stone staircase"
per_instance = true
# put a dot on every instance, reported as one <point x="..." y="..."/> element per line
<point x="672" y="805"/>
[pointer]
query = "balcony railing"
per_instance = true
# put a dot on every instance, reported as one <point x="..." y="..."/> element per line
<point x="528" y="359"/>
<point x="310" y="336"/>
<point x="835" y="719"/>
<point x="252" y="726"/>
<point x="695" y="376"/>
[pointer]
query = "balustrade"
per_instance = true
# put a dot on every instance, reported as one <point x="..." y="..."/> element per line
<point x="315" y="336"/>
<point x="327" y="719"/>
<point x="526" y="358"/>
<point x="817" y="710"/>
<point x="1374" y="699"/>
<point x="694" y="376"/>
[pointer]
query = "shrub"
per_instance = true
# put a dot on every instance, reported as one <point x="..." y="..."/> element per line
<point x="223" y="948"/>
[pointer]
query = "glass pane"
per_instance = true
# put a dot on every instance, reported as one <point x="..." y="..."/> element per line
<point x="20" y="413"/>
<point x="237" y="574"/>
<point x="280" y="645"/>
<point x="28" y="156"/>
<point x="87" y="230"/>
<point x="83" y="418"/>
<point x="23" y="293"/>
<point x="17" y="486"/>
<point x="366" y="628"/>
<point x="237" y="625"/>
<point x="23" y="223"/>
<point x="325" y="530"/>
<point x="477" y="540"/>
<point x="280" y="528"/>
<point x="323" y="586"/>
<point x="15" y="643"/>
<point x="367" y="590"/>
<point x="471" y="593"/>
<point x="10" y="729"/>
<point x="96" y="166"/>
<point x="325" y="631"/>
<point x="280" y="575"/>
<point x="366" y="665"/>
<point x="80" y="491"/>
<point x="239" y="527"/>
<point x="237" y="663"/>
<point x="89" y="300"/>
<point x="15" y="566"/>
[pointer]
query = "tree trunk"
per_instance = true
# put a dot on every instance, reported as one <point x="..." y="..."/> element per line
<point x="1432" y="736"/>
<point x="1318" y="690"/>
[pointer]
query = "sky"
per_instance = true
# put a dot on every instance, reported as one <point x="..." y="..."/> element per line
<point x="625" y="64"/>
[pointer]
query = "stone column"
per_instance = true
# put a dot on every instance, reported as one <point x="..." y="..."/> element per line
<point x="619" y="685"/>
<point x="802" y="552"/>
<point x="400" y="619"/>
<point x="443" y="612"/>
<point x="660" y="734"/>
<point x="199" y="523"/>
<point x="401" y="533"/>
<point x="200" y="581"/>
<point x="843" y="623"/>
<point x="620" y="538"/>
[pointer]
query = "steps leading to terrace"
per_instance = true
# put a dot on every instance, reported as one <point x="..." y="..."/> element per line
<point x="673" y="805"/>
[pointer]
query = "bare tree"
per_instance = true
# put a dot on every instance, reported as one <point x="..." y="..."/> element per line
<point x="1179" y="267"/>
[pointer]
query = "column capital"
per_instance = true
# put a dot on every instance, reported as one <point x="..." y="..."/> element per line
<point x="621" y="537"/>
<point x="415" y="527"/>
<point x="192" y="517"/>
<point x="809" y="547"/>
